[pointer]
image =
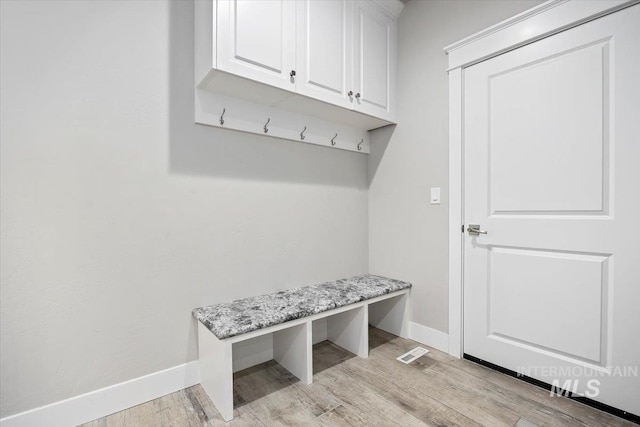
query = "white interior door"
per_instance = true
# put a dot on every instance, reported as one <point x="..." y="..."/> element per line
<point x="552" y="174"/>
<point x="256" y="39"/>
<point x="324" y="50"/>
<point x="374" y="60"/>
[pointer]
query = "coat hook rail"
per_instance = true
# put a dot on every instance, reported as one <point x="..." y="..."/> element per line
<point x="333" y="140"/>
<point x="266" y="129"/>
<point x="360" y="144"/>
<point x="302" y="133"/>
<point x="224" y="110"/>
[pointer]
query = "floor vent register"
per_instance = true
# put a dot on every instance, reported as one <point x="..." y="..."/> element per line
<point x="412" y="355"/>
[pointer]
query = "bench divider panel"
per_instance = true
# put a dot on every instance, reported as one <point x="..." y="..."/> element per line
<point x="292" y="348"/>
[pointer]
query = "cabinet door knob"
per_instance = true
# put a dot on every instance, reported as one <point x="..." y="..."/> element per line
<point x="358" y="95"/>
<point x="350" y="93"/>
<point x="292" y="73"/>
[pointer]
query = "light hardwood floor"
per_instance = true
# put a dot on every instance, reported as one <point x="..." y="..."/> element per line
<point x="435" y="390"/>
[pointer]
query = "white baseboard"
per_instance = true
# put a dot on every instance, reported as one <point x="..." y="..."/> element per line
<point x="99" y="403"/>
<point x="429" y="336"/>
<point x="108" y="400"/>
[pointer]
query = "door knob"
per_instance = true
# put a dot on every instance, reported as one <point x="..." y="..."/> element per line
<point x="292" y="73"/>
<point x="350" y="93"/>
<point x="474" y="230"/>
<point x="358" y="95"/>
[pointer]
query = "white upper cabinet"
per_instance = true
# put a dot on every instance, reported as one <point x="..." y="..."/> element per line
<point x="256" y="39"/>
<point x="374" y="61"/>
<point x="324" y="50"/>
<point x="331" y="60"/>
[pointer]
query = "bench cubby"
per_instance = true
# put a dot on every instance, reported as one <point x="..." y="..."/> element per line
<point x="389" y="314"/>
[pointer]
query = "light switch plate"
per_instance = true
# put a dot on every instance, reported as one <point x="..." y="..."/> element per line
<point x="435" y="196"/>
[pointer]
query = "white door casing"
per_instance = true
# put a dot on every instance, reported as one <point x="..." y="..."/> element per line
<point x="256" y="39"/>
<point x="551" y="173"/>
<point x="324" y="50"/>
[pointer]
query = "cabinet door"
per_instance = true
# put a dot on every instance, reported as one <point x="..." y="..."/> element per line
<point x="374" y="61"/>
<point x="256" y="40"/>
<point x="324" y="50"/>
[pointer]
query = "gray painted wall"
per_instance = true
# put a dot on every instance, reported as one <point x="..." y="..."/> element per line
<point x="119" y="215"/>
<point x="407" y="235"/>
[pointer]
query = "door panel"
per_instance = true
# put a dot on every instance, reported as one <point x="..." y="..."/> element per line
<point x="535" y="105"/>
<point x="266" y="20"/>
<point x="551" y="174"/>
<point x="374" y="60"/>
<point x="325" y="50"/>
<point x="546" y="282"/>
<point x="256" y="39"/>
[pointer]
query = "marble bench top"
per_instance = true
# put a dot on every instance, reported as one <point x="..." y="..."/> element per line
<point x="238" y="317"/>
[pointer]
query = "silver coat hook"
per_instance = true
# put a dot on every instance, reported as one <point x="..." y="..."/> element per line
<point x="360" y="144"/>
<point x="224" y="110"/>
<point x="333" y="142"/>
<point x="266" y="129"/>
<point x="302" y="133"/>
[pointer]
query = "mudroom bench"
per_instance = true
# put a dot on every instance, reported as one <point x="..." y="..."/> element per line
<point x="286" y="320"/>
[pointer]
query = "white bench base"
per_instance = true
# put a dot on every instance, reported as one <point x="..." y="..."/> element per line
<point x="347" y="327"/>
